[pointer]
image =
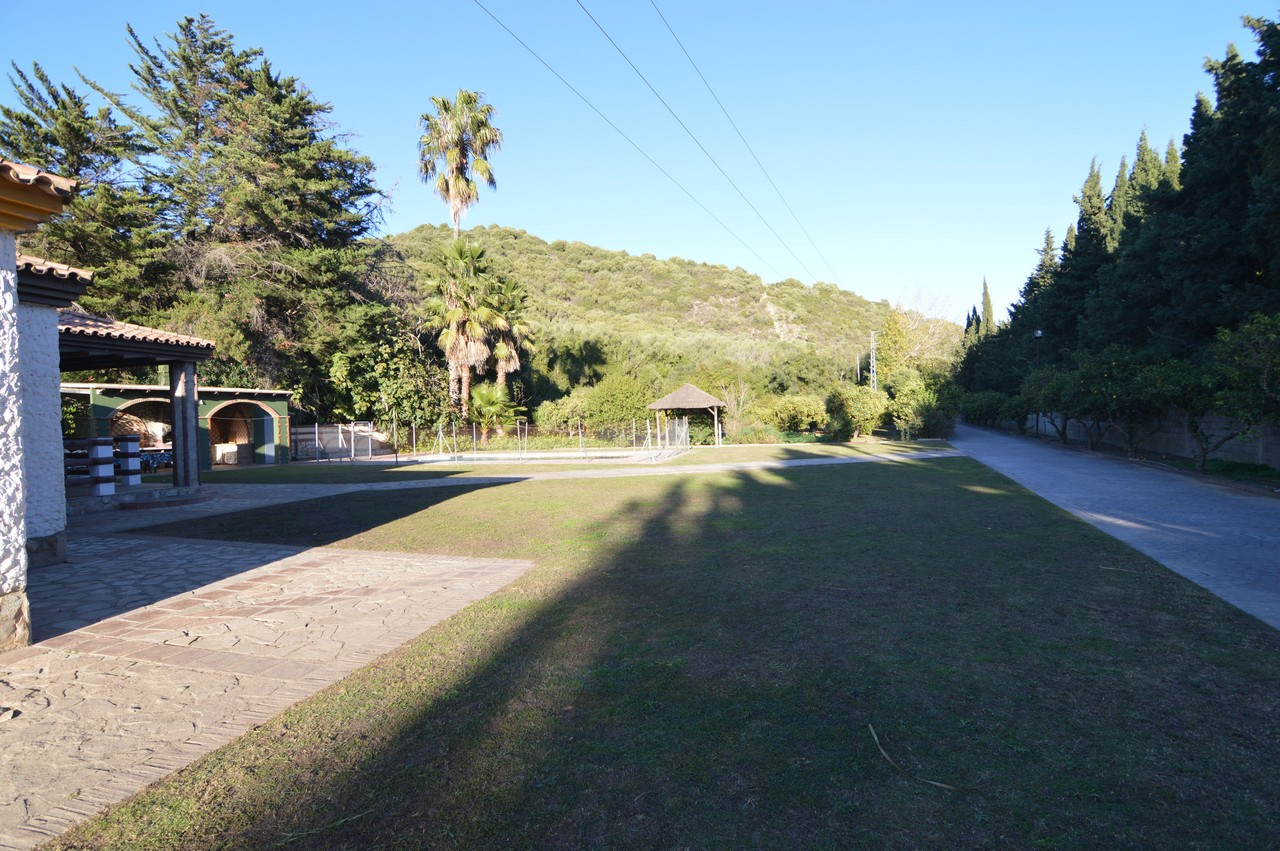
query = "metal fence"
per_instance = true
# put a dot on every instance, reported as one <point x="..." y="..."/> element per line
<point x="369" y="441"/>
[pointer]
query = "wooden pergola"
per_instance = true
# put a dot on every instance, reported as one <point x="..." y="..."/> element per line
<point x="690" y="398"/>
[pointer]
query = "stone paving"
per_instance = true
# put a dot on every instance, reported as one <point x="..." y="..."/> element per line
<point x="131" y="680"/>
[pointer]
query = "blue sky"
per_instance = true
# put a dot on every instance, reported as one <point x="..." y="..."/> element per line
<point x="923" y="146"/>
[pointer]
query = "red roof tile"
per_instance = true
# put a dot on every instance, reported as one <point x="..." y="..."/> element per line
<point x="37" y="266"/>
<point x="82" y="324"/>
<point x="27" y="175"/>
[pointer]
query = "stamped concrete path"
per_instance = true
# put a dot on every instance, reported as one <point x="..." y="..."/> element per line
<point x="1223" y="538"/>
<point x="153" y="651"/>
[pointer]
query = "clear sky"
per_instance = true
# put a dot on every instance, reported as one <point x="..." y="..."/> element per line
<point x="923" y="146"/>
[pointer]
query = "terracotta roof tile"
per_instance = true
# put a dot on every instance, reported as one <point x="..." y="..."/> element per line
<point x="37" y="266"/>
<point x="84" y="325"/>
<point x="62" y="187"/>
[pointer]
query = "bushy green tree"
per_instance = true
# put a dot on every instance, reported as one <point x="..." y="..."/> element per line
<point x="795" y="413"/>
<point x="219" y="201"/>
<point x="854" y="410"/>
<point x="564" y="414"/>
<point x="983" y="407"/>
<point x="618" y="401"/>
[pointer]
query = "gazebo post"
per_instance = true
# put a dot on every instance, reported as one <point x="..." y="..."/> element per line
<point x="182" y="396"/>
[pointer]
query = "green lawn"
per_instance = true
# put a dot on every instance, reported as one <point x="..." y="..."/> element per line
<point x="790" y="451"/>
<point x="365" y="472"/>
<point x="695" y="662"/>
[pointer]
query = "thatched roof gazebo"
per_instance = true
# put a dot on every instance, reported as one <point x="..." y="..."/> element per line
<point x="690" y="398"/>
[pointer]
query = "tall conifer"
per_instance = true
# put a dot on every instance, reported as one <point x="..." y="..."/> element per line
<point x="988" y="312"/>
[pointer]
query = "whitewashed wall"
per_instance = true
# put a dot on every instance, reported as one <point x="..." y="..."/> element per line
<point x="13" y="536"/>
<point x="41" y="420"/>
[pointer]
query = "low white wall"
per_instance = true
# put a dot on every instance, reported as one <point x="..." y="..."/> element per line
<point x="41" y="420"/>
<point x="1171" y="438"/>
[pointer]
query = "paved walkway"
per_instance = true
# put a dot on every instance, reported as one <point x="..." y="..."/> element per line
<point x="135" y="679"/>
<point x="1222" y="538"/>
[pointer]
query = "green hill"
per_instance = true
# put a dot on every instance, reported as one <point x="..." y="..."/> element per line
<point x="594" y="310"/>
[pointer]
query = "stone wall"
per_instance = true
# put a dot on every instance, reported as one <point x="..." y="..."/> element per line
<point x="15" y="622"/>
<point x="1170" y="438"/>
<point x="41" y="421"/>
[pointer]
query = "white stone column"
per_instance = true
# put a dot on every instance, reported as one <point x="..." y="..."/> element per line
<point x="42" y="452"/>
<point x="15" y="618"/>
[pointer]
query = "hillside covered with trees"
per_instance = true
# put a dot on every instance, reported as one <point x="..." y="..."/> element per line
<point x="636" y="326"/>
<point x="593" y="307"/>
<point x="1165" y="293"/>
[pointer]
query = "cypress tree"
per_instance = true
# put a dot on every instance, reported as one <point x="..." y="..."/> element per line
<point x="1118" y="207"/>
<point x="988" y="313"/>
<point x="1172" y="176"/>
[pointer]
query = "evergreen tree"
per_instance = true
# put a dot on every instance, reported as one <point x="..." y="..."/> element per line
<point x="1172" y="177"/>
<point x="110" y="226"/>
<point x="1118" y="203"/>
<point x="219" y="202"/>
<point x="988" y="312"/>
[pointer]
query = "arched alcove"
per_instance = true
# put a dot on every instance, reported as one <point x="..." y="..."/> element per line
<point x="242" y="432"/>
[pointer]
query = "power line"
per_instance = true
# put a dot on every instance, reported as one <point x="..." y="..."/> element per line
<point x="733" y="124"/>
<point x="606" y="120"/>
<point x="694" y="138"/>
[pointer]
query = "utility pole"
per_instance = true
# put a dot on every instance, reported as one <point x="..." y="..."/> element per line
<point x="872" y="366"/>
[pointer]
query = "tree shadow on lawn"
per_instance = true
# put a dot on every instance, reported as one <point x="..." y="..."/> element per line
<point x="322" y="521"/>
<point x="707" y="675"/>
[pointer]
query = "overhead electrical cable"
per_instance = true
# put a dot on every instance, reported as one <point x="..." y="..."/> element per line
<point x="619" y="131"/>
<point x="694" y="138"/>
<point x="745" y="143"/>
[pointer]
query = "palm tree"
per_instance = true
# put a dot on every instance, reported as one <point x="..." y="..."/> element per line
<point x="510" y="300"/>
<point x="461" y="307"/>
<point x="491" y="408"/>
<point x="455" y="143"/>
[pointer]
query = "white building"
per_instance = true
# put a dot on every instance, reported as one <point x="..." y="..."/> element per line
<point x="28" y="197"/>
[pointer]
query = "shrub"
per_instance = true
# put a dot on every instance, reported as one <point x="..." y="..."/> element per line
<point x="757" y="433"/>
<point x="796" y="413"/>
<point x="854" y="409"/>
<point x="983" y="407"/>
<point x="618" y="401"/>
<point x="701" y="434"/>
<point x="922" y="406"/>
<point x="563" y="414"/>
<point x="1017" y="408"/>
